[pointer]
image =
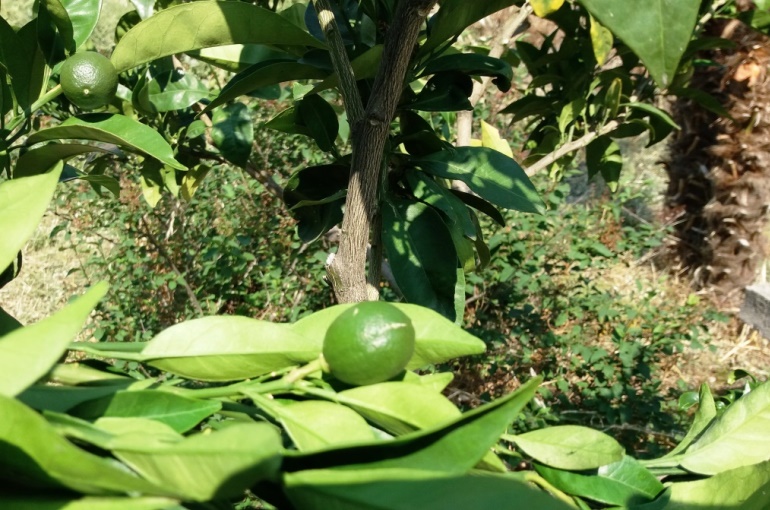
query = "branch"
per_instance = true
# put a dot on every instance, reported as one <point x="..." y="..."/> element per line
<point x="464" y="125"/>
<point x="347" y="270"/>
<point x="163" y="253"/>
<point x="574" y="145"/>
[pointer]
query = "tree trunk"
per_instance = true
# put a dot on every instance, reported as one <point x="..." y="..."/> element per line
<point x="719" y="169"/>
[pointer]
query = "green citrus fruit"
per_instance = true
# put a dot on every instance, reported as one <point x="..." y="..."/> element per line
<point x="89" y="80"/>
<point x="369" y="343"/>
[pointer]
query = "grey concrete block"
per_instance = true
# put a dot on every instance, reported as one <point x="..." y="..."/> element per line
<point x="756" y="308"/>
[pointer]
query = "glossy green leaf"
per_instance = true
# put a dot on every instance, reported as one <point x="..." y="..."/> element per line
<point x="569" y="447"/>
<point x="107" y="433"/>
<point x="656" y="30"/>
<point x="286" y="121"/>
<point x="437" y="381"/>
<point x="624" y="483"/>
<point x="8" y="323"/>
<point x="40" y="159"/>
<point x="237" y="58"/>
<point x="261" y="74"/>
<point x="455" y="16"/>
<point x="411" y="489"/>
<point x="451" y="448"/>
<point x="22" y="205"/>
<point x="197" y="25"/>
<point x="227" y="348"/>
<point x="63" y="398"/>
<point x="109" y="128"/>
<point x="320" y="119"/>
<point x="437" y="339"/>
<point x="603" y="156"/>
<point x="178" y="412"/>
<point x="421" y="254"/>
<point x="205" y="466"/>
<point x="34" y="501"/>
<point x="54" y="11"/>
<point x="427" y="190"/>
<point x="481" y="205"/>
<point x="33" y="454"/>
<point x="743" y="488"/>
<point x="233" y="133"/>
<point x="475" y="65"/>
<point x="28" y="353"/>
<point x="736" y="438"/>
<point x="315" y="424"/>
<point x="27" y="65"/>
<point x="489" y="173"/>
<point x="444" y="92"/>
<point x="175" y="90"/>
<point x="705" y="414"/>
<point x="400" y="407"/>
<point x="81" y="15"/>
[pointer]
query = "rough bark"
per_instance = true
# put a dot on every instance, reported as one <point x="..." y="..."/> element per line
<point x="347" y="272"/>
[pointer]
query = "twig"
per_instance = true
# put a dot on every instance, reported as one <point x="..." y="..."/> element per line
<point x="574" y="145"/>
<point x="163" y="253"/>
<point x="464" y="124"/>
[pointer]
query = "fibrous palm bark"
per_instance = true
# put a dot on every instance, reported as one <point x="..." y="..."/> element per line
<point x="719" y="168"/>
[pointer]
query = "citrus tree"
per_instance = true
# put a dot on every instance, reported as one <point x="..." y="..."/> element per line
<point x="326" y="412"/>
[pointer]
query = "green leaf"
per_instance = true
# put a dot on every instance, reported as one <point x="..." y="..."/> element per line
<point x="421" y="254"/>
<point x="427" y="190"/>
<point x="227" y="348"/>
<point x="237" y="58"/>
<point x="27" y="66"/>
<point x="27" y="501"/>
<point x="489" y="173"/>
<point x="7" y="323"/>
<point x="33" y="454"/>
<point x="63" y="398"/>
<point x="743" y="488"/>
<point x="624" y="483"/>
<point x="322" y="187"/>
<point x="455" y="16"/>
<point x="656" y="30"/>
<point x="735" y="439"/>
<point x="40" y="159"/>
<point x="444" y="92"/>
<point x="320" y="120"/>
<point x="233" y="133"/>
<point x="22" y="205"/>
<point x="569" y="447"/>
<point x="84" y="14"/>
<point x="178" y="412"/>
<point x="451" y="448"/>
<point x="262" y="74"/>
<point x="315" y="424"/>
<point x="603" y="156"/>
<point x="490" y="137"/>
<point x="116" y="129"/>
<point x="286" y="121"/>
<point x="205" y="466"/>
<point x="197" y="25"/>
<point x="28" y="353"/>
<point x="399" y="407"/>
<point x="475" y="65"/>
<point x="54" y="11"/>
<point x="175" y="90"/>
<point x="705" y="414"/>
<point x="411" y="489"/>
<point x="480" y="205"/>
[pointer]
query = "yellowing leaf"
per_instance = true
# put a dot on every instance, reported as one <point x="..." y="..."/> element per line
<point x="490" y="137"/>
<point x="601" y="40"/>
<point x="543" y="8"/>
